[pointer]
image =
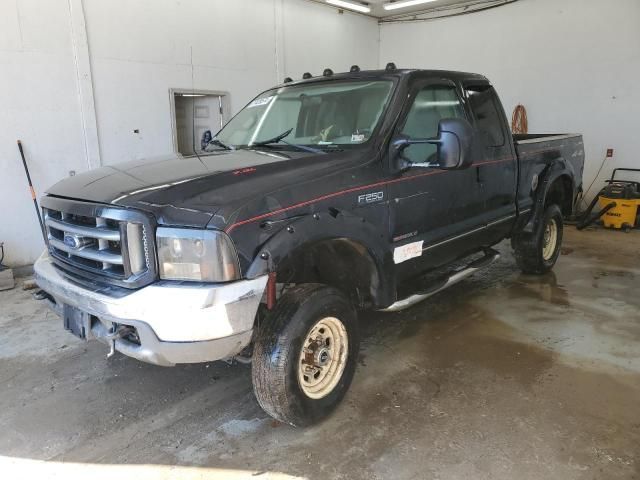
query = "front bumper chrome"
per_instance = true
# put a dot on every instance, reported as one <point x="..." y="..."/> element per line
<point x="176" y="322"/>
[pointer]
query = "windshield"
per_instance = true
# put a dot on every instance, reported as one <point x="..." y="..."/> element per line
<point x="330" y="113"/>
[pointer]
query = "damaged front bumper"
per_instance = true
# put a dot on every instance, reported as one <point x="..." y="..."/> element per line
<point x="164" y="323"/>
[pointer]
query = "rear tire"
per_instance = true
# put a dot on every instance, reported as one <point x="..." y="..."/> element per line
<point x="305" y="356"/>
<point x="536" y="253"/>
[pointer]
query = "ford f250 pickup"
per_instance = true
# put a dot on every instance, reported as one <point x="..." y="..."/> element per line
<point x="320" y="199"/>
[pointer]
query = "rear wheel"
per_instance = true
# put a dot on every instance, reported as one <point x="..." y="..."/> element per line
<point x="305" y="355"/>
<point x="537" y="252"/>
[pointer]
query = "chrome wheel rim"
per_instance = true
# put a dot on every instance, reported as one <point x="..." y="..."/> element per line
<point x="323" y="357"/>
<point x="550" y="239"/>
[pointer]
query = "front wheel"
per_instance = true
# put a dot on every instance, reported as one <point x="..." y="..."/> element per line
<point x="305" y="355"/>
<point x="537" y="252"/>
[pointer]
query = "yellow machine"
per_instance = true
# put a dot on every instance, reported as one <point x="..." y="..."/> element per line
<point x="623" y="215"/>
<point x="626" y="197"/>
<point x="619" y="204"/>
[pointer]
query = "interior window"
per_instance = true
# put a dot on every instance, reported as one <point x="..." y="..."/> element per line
<point x="431" y="105"/>
<point x="485" y="110"/>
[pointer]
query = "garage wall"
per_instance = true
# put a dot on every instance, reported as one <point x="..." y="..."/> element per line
<point x="137" y="51"/>
<point x="39" y="104"/>
<point x="239" y="46"/>
<point x="574" y="64"/>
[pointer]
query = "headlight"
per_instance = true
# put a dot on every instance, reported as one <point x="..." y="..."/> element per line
<point x="197" y="255"/>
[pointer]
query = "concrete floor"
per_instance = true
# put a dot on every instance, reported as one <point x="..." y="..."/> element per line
<point x="503" y="376"/>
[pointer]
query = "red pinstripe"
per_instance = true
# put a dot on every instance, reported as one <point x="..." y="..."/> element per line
<point x="354" y="189"/>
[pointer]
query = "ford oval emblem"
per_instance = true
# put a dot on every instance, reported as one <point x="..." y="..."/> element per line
<point x="71" y="241"/>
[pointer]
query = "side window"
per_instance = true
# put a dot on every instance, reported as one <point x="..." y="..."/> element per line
<point x="488" y="118"/>
<point x="431" y="104"/>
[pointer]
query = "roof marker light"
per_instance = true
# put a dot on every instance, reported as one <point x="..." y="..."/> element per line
<point x="354" y="69"/>
<point x="306" y="75"/>
<point x="327" y="72"/>
<point x="357" y="6"/>
<point x="288" y="80"/>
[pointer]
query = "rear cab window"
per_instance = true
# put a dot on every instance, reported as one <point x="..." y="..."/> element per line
<point x="482" y="100"/>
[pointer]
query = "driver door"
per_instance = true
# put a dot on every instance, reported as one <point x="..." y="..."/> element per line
<point x="432" y="211"/>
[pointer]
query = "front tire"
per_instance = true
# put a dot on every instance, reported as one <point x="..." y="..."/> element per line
<point x="305" y="356"/>
<point x="536" y="253"/>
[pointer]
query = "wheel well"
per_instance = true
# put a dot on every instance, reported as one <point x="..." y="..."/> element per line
<point x="342" y="263"/>
<point x="561" y="193"/>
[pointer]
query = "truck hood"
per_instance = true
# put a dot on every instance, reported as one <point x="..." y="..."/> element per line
<point x="190" y="190"/>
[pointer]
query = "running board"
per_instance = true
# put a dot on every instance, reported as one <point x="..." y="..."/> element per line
<point x="490" y="257"/>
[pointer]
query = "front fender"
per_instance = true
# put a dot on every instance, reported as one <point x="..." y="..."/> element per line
<point x="334" y="224"/>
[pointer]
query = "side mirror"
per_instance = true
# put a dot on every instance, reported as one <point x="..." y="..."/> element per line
<point x="455" y="143"/>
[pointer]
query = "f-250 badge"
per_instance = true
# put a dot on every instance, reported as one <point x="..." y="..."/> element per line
<point x="367" y="198"/>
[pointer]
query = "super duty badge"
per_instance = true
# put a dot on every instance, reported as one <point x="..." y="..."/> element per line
<point x="367" y="198"/>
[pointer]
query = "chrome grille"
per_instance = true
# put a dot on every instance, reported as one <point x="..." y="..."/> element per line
<point x="99" y="242"/>
<point x="89" y="242"/>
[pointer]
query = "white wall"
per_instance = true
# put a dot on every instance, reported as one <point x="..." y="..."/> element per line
<point x="574" y="64"/>
<point x="316" y="37"/>
<point x="39" y="105"/>
<point x="137" y="52"/>
<point x="141" y="49"/>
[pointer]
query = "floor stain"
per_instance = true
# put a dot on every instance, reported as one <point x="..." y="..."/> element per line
<point x="502" y="376"/>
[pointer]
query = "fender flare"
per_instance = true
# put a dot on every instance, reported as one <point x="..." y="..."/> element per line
<point x="556" y="168"/>
<point x="331" y="225"/>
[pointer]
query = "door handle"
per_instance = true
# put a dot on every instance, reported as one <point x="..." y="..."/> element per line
<point x="478" y="175"/>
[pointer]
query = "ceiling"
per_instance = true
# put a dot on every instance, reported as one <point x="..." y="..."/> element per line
<point x="378" y="11"/>
<point x="427" y="10"/>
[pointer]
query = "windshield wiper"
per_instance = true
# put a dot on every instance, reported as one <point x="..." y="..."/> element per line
<point x="220" y="143"/>
<point x="280" y="139"/>
<point x="276" y="139"/>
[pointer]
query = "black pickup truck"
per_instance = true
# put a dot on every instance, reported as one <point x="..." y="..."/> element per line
<point x="322" y="197"/>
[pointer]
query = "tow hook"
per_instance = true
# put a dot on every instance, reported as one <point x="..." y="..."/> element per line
<point x="117" y="331"/>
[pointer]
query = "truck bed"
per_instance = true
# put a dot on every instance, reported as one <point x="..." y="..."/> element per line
<point x="536" y="152"/>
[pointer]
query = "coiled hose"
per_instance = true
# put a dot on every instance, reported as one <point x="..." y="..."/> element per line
<point x="519" y="121"/>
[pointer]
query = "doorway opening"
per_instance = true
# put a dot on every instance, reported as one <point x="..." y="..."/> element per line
<point x="197" y="117"/>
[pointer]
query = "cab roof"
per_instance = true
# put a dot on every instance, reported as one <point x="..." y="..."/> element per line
<point x="385" y="74"/>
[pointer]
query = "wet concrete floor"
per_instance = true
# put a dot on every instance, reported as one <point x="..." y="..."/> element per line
<point x="503" y="376"/>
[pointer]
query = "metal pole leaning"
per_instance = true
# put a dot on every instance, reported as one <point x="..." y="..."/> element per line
<point x="33" y="193"/>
